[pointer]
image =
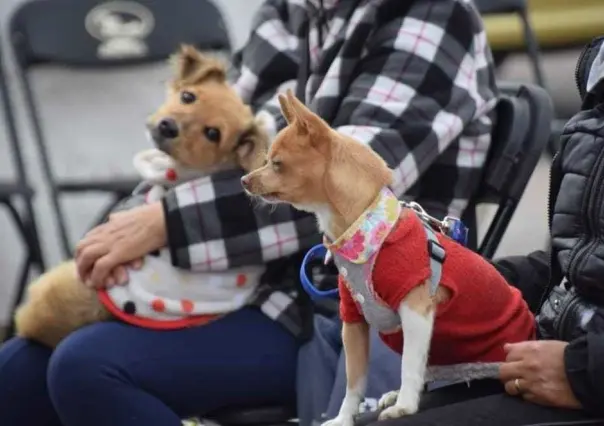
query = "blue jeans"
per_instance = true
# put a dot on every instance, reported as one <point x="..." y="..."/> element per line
<point x="113" y="374"/>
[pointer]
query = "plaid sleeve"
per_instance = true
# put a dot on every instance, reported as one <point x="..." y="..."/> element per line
<point x="425" y="77"/>
<point x="213" y="225"/>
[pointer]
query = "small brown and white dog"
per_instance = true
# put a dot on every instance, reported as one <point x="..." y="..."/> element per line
<point x="202" y="127"/>
<point x="454" y="328"/>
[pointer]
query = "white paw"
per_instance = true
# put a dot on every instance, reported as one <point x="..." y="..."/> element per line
<point x="396" y="411"/>
<point x="339" y="421"/>
<point x="388" y="399"/>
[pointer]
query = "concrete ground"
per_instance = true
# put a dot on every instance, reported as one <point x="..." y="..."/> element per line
<point x="95" y="124"/>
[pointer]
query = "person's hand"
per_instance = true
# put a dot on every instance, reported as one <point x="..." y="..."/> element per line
<point x="119" y="275"/>
<point x="126" y="237"/>
<point x="535" y="371"/>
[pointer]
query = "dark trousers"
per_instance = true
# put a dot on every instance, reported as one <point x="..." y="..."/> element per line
<point x="113" y="374"/>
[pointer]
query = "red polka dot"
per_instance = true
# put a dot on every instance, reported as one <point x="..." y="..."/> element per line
<point x="187" y="306"/>
<point x="241" y="280"/>
<point x="158" y="305"/>
<point x="171" y="174"/>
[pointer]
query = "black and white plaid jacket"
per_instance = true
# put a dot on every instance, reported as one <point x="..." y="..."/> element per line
<point x="411" y="78"/>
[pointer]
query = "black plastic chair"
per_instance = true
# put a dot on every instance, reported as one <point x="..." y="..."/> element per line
<point x="518" y="7"/>
<point x="524" y="117"/>
<point x="92" y="34"/>
<point x="15" y="189"/>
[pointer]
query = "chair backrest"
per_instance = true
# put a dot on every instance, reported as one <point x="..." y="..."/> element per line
<point x="92" y="95"/>
<point x="95" y="33"/>
<point x="101" y="40"/>
<point x="524" y="116"/>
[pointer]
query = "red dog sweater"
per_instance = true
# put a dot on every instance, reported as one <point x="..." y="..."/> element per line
<point x="483" y="313"/>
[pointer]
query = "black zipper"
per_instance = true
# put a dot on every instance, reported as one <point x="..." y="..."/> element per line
<point x="550" y="197"/>
<point x="553" y="265"/>
<point x="594" y="192"/>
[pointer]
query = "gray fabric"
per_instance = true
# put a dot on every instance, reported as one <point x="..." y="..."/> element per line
<point x="377" y="315"/>
<point x="320" y="394"/>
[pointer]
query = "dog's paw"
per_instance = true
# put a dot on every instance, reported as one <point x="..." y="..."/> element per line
<point x="339" y="421"/>
<point x="388" y="399"/>
<point x="399" y="409"/>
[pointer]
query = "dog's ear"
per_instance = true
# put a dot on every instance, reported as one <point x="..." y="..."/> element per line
<point x="193" y="67"/>
<point x="286" y="108"/>
<point x="307" y="121"/>
<point x="252" y="147"/>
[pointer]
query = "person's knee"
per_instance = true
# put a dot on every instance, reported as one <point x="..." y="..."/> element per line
<point x="78" y="367"/>
<point x="22" y="367"/>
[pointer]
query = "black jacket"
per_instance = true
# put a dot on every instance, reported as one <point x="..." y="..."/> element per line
<point x="576" y="214"/>
<point x="577" y="184"/>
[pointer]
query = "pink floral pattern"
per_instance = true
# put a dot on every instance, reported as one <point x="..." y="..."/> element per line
<point x="354" y="247"/>
<point x="379" y="234"/>
<point x="365" y="237"/>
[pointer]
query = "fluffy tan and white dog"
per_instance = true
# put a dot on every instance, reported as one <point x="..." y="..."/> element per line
<point x="202" y="127"/>
<point x="450" y="316"/>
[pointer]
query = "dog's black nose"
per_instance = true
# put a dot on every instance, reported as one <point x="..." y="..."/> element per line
<point x="167" y="128"/>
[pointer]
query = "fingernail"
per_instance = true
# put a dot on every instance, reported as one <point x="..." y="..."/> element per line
<point x="122" y="277"/>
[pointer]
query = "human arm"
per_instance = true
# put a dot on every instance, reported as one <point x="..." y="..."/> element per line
<point x="584" y="366"/>
<point x="529" y="274"/>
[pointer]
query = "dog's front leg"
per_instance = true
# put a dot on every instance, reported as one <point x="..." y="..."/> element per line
<point x="417" y="318"/>
<point x="355" y="337"/>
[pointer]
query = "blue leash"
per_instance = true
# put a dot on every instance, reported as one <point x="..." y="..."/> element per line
<point x="317" y="251"/>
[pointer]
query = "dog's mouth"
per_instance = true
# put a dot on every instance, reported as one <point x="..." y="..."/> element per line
<point x="271" y="197"/>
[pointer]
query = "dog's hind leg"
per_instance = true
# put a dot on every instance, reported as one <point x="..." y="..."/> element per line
<point x="56" y="305"/>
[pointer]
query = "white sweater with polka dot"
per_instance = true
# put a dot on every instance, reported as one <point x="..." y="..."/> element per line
<point x="162" y="296"/>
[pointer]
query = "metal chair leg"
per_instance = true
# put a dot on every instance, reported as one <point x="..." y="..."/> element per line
<point x="33" y="237"/>
<point x="18" y="298"/>
<point x="33" y="259"/>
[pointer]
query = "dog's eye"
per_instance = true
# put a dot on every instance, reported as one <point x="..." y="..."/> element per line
<point x="212" y="133"/>
<point x="187" y="97"/>
<point x="276" y="165"/>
